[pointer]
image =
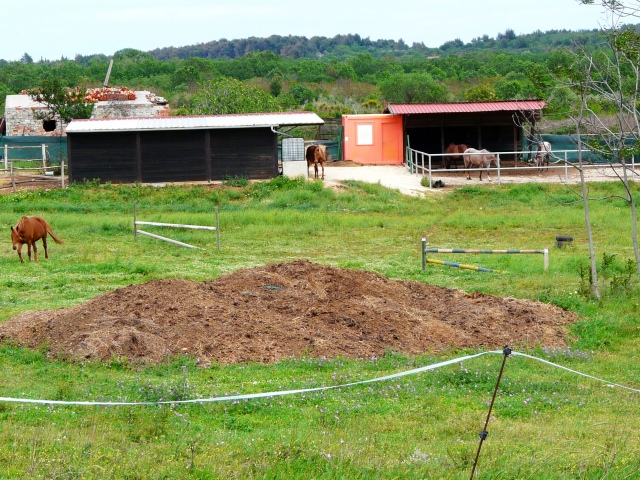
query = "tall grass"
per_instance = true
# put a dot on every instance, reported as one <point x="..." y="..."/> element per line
<point x="546" y="423"/>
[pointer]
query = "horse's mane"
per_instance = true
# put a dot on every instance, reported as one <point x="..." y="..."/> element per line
<point x="21" y="222"/>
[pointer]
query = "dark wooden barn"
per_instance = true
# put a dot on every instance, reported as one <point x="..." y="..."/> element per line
<point x="179" y="149"/>
<point x="496" y="126"/>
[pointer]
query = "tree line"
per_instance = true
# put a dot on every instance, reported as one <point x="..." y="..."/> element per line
<point x="332" y="76"/>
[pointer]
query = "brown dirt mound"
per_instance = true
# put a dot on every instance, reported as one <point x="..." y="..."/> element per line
<point x="289" y="309"/>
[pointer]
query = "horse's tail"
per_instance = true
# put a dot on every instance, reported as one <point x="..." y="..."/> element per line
<point x="56" y="239"/>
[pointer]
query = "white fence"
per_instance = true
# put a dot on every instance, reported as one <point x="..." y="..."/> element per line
<point x="31" y="164"/>
<point x="40" y="156"/>
<point x="422" y="163"/>
<point x="137" y="231"/>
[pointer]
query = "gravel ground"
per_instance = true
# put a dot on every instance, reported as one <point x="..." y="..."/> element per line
<point x="399" y="177"/>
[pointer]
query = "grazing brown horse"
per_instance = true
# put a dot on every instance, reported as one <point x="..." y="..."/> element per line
<point x="29" y="230"/>
<point x="478" y="158"/>
<point x="455" y="149"/>
<point x="316" y="154"/>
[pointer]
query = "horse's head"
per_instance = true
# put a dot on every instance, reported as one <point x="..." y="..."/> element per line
<point x="320" y="156"/>
<point x="15" y="237"/>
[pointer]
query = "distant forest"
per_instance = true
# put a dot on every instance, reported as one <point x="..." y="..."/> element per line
<point x="332" y="76"/>
<point x="343" y="46"/>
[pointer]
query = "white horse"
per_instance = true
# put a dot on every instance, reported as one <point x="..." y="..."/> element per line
<point x="478" y="158"/>
<point x="543" y="152"/>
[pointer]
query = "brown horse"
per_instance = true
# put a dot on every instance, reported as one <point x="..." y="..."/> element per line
<point x="29" y="230"/>
<point x="316" y="154"/>
<point x="456" y="149"/>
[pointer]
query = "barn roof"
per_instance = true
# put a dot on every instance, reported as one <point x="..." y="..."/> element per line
<point x="248" y="120"/>
<point x="464" y="107"/>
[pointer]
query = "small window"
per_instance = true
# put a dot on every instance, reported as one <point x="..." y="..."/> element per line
<point x="365" y="134"/>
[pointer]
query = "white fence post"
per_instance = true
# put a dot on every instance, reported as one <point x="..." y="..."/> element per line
<point x="44" y="158"/>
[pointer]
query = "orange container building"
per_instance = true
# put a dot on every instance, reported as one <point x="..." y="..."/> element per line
<point x="373" y="139"/>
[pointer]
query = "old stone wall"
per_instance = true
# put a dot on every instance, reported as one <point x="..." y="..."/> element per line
<point x="23" y="122"/>
<point x="21" y="114"/>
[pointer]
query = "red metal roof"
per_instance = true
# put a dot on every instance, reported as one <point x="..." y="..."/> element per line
<point x="464" y="107"/>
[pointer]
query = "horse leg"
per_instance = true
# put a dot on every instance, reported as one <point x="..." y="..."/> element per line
<point x="44" y="244"/>
<point x="315" y="170"/>
<point x="20" y="252"/>
<point x="322" y="165"/>
<point x="35" y="252"/>
<point x="29" y="250"/>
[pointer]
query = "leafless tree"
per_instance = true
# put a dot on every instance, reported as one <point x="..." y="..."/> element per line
<point x="613" y="74"/>
<point x="609" y="74"/>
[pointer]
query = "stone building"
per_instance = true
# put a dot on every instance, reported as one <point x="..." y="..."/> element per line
<point x="21" y="111"/>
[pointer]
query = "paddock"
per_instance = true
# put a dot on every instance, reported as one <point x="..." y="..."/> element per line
<point x="563" y="168"/>
<point x="32" y="163"/>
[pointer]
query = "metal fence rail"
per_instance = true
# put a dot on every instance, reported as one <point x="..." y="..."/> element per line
<point x="421" y="163"/>
<point x="137" y="231"/>
<point x="425" y="250"/>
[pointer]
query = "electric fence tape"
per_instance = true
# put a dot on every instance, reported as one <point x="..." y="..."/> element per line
<point x="251" y="396"/>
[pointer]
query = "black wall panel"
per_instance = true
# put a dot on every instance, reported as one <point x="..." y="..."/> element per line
<point x="173" y="155"/>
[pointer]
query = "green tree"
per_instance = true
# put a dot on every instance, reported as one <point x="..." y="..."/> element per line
<point x="185" y="75"/>
<point x="301" y="94"/>
<point x="413" y="88"/>
<point x="480" y="93"/>
<point x="225" y="95"/>
<point x="4" y="91"/>
<point x="61" y="102"/>
<point x="561" y="102"/>
<point x="275" y="87"/>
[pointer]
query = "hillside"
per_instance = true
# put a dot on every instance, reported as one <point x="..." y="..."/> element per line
<point x="344" y="74"/>
<point x="342" y="46"/>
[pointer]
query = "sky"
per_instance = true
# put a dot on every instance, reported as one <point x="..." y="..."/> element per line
<point x="52" y="30"/>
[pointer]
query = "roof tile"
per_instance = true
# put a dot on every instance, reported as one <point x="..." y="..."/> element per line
<point x="464" y="107"/>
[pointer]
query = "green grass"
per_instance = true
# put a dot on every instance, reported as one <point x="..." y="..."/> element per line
<point x="546" y="423"/>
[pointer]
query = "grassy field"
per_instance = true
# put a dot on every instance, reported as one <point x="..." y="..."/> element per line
<point x="546" y="422"/>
